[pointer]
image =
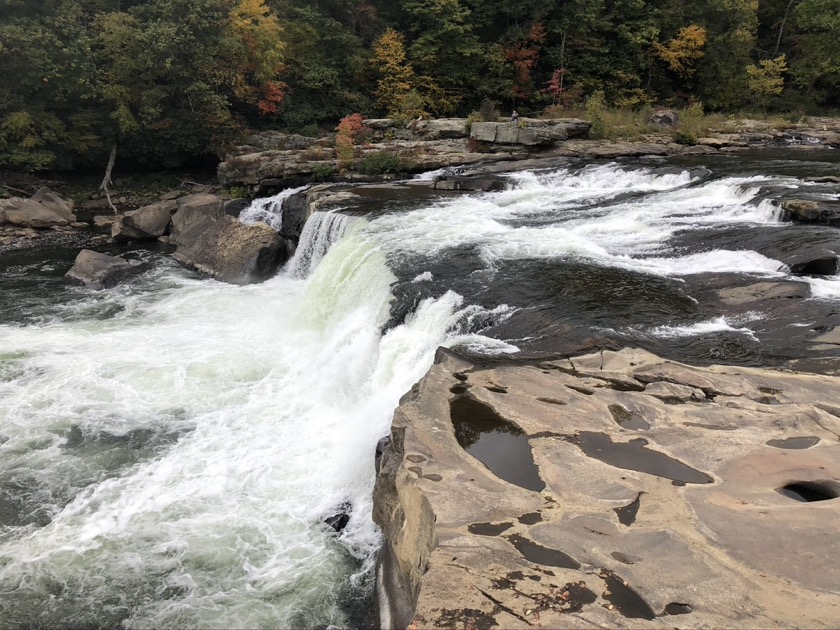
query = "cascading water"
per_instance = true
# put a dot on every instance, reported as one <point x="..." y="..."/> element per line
<point x="322" y="230"/>
<point x="269" y="210"/>
<point x="170" y="448"/>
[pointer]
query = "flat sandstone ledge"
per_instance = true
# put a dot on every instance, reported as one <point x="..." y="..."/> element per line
<point x="664" y="495"/>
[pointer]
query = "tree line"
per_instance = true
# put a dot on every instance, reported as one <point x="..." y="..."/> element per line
<point x="169" y="80"/>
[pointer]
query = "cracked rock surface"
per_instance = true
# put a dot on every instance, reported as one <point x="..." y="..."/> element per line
<point x="666" y="496"/>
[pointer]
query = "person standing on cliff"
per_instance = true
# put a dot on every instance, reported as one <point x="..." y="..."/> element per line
<point x="514" y="116"/>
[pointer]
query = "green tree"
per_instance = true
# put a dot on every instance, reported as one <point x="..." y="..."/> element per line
<point x="445" y="52"/>
<point x="766" y="80"/>
<point x="818" y="67"/>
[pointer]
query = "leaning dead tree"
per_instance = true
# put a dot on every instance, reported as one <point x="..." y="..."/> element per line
<point x="106" y="181"/>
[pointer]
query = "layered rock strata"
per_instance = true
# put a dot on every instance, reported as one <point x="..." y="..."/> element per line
<point x="614" y="489"/>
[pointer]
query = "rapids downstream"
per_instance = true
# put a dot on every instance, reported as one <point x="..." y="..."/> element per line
<point x="170" y="448"/>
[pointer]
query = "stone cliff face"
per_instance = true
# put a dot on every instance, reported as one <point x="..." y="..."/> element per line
<point x="612" y="489"/>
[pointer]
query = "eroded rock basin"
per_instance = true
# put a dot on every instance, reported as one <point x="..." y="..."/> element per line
<point x="717" y="511"/>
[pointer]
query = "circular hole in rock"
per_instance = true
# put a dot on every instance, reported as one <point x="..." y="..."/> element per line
<point x="810" y="491"/>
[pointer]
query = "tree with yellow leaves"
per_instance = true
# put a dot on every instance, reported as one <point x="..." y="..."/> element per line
<point x="682" y="52"/>
<point x="765" y="80"/>
<point x="396" y="76"/>
<point x="258" y="80"/>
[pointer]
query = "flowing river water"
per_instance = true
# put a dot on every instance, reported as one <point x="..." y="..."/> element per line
<point x="170" y="448"/>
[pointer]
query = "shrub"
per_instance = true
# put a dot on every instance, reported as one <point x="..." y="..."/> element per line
<point x="322" y="172"/>
<point x="684" y="137"/>
<point x="382" y="162"/>
<point x="596" y="108"/>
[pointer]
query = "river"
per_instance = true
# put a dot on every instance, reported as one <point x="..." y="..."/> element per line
<point x="170" y="448"/>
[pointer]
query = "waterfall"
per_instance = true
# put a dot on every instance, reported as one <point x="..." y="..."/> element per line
<point x="322" y="231"/>
<point x="269" y="210"/>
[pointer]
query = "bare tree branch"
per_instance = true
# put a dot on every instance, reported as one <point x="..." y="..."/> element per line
<point x="107" y="179"/>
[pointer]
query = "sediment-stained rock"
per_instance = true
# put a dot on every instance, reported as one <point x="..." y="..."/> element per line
<point x="146" y="223"/>
<point x="707" y="493"/>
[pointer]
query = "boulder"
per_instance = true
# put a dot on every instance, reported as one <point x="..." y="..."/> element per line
<point x="52" y="201"/>
<point x="146" y="223"/>
<point x="665" y="118"/>
<point x="100" y="271"/>
<point x="823" y="266"/>
<point x="30" y="214"/>
<point x="231" y="251"/>
<point x="811" y="211"/>
<point x="194" y="209"/>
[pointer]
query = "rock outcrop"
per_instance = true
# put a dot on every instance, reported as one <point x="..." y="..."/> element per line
<point x="611" y="490"/>
<point x="100" y="271"/>
<point x="231" y="251"/>
<point x="529" y="132"/>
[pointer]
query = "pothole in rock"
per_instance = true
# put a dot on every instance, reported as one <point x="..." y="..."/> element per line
<point x="634" y="455"/>
<point x="498" y="444"/>
<point x="627" y="419"/>
<point x="806" y="441"/>
<point x="675" y="608"/>
<point x="810" y="491"/>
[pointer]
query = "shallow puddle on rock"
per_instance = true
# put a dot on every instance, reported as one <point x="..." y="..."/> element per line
<point x="806" y="441"/>
<point x="532" y="518"/>
<point x="634" y="455"/>
<point x="626" y="601"/>
<point x="627" y="514"/>
<point x="501" y="446"/>
<point x="488" y="529"/>
<point x="542" y="555"/>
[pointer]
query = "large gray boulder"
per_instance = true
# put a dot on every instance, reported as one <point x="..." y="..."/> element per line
<point x="52" y="201"/>
<point x="231" y="251"/>
<point x="195" y="210"/>
<point x="100" y="271"/>
<point x="146" y="223"/>
<point x="28" y="213"/>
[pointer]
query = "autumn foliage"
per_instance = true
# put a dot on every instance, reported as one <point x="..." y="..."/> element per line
<point x="348" y="130"/>
<point x="523" y="56"/>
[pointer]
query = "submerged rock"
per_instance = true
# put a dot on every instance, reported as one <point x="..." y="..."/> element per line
<point x="100" y="271"/>
<point x="633" y="517"/>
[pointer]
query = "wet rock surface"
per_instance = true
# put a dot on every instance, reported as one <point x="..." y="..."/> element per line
<point x="636" y="523"/>
<point x="100" y="271"/>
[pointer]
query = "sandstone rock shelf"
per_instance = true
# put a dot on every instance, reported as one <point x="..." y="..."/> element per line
<point x="745" y="540"/>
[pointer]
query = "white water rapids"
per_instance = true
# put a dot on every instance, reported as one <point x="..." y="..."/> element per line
<point x="170" y="464"/>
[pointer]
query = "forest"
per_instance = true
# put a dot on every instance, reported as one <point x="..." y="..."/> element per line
<point x="169" y="81"/>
